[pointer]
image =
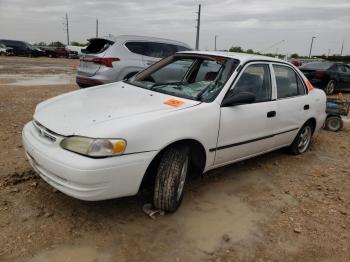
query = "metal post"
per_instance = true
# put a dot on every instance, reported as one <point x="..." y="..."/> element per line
<point x="96" y="27"/>
<point x="342" y="47"/>
<point x="312" y="41"/>
<point x="215" y="42"/>
<point x="198" y="26"/>
<point x="67" y="28"/>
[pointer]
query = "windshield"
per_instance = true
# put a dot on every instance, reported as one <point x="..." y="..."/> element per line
<point x="194" y="77"/>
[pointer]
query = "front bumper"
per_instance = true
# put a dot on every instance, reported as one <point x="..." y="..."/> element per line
<point x="83" y="177"/>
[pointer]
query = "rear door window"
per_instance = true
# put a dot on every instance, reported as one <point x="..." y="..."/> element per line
<point x="136" y="47"/>
<point x="160" y="50"/>
<point x="182" y="48"/>
<point x="287" y="81"/>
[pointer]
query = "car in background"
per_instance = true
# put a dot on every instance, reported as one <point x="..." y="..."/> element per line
<point x="63" y="52"/>
<point x="296" y="63"/>
<point x="184" y="115"/>
<point x="4" y="50"/>
<point x="329" y="76"/>
<point x="107" y="60"/>
<point x="22" y="48"/>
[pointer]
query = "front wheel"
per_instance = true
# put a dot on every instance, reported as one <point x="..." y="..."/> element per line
<point x="171" y="178"/>
<point x="302" y="141"/>
<point x="330" y="87"/>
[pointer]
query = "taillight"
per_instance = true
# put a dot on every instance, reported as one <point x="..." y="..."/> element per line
<point x="105" y="61"/>
<point x="318" y="74"/>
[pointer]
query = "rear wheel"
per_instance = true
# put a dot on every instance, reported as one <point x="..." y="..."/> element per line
<point x="171" y="178"/>
<point x="330" y="87"/>
<point x="303" y="139"/>
<point x="334" y="123"/>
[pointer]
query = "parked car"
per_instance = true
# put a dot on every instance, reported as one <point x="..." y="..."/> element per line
<point x="107" y="60"/>
<point x="329" y="76"/>
<point x="22" y="48"/>
<point x="75" y="51"/>
<point x="4" y="50"/>
<point x="186" y="114"/>
<point x="296" y="63"/>
<point x="56" y="52"/>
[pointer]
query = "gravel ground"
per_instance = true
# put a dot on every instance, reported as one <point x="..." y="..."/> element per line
<point x="275" y="207"/>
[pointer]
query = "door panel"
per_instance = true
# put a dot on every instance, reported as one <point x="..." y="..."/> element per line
<point x="248" y="129"/>
<point x="292" y="105"/>
<point x="245" y="130"/>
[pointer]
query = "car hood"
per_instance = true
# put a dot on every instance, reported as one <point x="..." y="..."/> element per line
<point x="72" y="113"/>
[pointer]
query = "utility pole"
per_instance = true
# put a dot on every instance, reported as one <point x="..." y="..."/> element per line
<point x="96" y="28"/>
<point x="342" y="47"/>
<point x="66" y="24"/>
<point x="312" y="41"/>
<point x="215" y="42"/>
<point x="198" y="26"/>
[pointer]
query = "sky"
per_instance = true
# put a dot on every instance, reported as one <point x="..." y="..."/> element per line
<point x="254" y="24"/>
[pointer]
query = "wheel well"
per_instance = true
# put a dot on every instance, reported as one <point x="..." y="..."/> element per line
<point x="313" y="123"/>
<point x="197" y="156"/>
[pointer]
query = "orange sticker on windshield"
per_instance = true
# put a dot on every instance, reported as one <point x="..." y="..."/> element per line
<point x="309" y="85"/>
<point x="174" y="102"/>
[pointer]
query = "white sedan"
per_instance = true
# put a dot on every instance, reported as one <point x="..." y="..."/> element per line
<point x="186" y="114"/>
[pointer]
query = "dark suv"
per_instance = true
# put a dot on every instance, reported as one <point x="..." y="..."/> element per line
<point x="22" y="48"/>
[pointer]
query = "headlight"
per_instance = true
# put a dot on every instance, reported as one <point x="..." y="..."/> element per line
<point x="94" y="147"/>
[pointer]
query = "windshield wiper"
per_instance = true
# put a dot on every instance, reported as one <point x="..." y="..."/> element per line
<point x="166" y="84"/>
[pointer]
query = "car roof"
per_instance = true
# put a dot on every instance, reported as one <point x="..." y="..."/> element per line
<point x="243" y="57"/>
<point x="123" y="38"/>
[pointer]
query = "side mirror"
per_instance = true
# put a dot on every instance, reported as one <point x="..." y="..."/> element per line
<point x="238" y="99"/>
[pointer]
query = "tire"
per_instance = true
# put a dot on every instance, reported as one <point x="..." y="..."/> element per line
<point x="302" y="141"/>
<point x="171" y="178"/>
<point x="330" y="87"/>
<point x="333" y="123"/>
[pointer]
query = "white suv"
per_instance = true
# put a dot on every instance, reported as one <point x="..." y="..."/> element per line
<point x="107" y="60"/>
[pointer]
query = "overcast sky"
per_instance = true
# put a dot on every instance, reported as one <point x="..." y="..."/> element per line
<point x="256" y="24"/>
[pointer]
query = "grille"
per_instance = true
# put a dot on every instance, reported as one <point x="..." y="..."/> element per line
<point x="44" y="132"/>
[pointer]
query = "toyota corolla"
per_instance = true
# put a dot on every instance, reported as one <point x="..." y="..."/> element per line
<point x="186" y="114"/>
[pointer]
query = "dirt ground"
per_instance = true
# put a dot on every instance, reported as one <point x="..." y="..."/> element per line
<point x="275" y="207"/>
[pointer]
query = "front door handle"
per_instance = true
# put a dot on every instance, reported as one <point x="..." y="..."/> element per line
<point x="306" y="107"/>
<point x="271" y="114"/>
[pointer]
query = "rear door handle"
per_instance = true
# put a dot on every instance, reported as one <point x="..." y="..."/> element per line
<point x="306" y="107"/>
<point x="271" y="114"/>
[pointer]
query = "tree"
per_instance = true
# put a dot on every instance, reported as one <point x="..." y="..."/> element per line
<point x="236" y="49"/>
<point x="294" y="55"/>
<point x="56" y="44"/>
<point x="250" y="51"/>
<point x="41" y="43"/>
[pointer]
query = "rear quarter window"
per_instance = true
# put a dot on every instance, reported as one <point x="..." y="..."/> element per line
<point x="97" y="46"/>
